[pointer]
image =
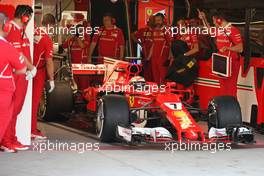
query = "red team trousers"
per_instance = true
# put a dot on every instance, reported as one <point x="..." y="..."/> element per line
<point x="6" y="106"/>
<point x="19" y="97"/>
<point x="38" y="87"/>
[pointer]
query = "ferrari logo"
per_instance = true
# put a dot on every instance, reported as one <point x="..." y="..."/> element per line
<point x="131" y="101"/>
<point x="149" y="12"/>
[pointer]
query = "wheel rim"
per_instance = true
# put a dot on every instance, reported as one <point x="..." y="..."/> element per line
<point x="212" y="113"/>
<point x="100" y="119"/>
<point x="42" y="106"/>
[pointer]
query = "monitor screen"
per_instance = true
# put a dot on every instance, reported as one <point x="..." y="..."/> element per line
<point x="220" y="65"/>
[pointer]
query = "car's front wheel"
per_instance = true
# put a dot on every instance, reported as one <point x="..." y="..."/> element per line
<point x="112" y="110"/>
<point x="224" y="112"/>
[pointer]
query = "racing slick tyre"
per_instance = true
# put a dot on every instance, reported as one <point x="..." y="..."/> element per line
<point x="111" y="111"/>
<point x="223" y="112"/>
<point x="60" y="100"/>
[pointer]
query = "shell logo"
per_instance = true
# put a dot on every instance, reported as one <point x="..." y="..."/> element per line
<point x="185" y="122"/>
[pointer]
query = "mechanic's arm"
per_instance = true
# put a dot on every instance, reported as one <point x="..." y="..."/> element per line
<point x="193" y="51"/>
<point x="237" y="48"/>
<point x="27" y="62"/>
<point x="50" y="69"/>
<point x="80" y="42"/>
<point x="92" y="47"/>
<point x="21" y="71"/>
<point x="135" y="39"/>
<point x="202" y="16"/>
<point x="150" y="53"/>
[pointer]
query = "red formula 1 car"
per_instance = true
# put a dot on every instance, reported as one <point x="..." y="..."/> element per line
<point x="129" y="108"/>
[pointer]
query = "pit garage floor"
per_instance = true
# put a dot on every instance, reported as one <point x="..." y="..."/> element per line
<point x="117" y="159"/>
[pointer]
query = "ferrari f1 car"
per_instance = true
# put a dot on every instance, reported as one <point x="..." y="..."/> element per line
<point x="129" y="108"/>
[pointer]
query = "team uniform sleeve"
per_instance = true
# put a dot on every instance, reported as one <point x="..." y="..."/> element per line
<point x="15" y="39"/>
<point x="16" y="60"/>
<point x="235" y="36"/>
<point x="168" y="36"/>
<point x="48" y="48"/>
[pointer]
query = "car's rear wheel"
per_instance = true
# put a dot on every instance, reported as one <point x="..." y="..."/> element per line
<point x="224" y="112"/>
<point x="112" y="110"/>
<point x="60" y="100"/>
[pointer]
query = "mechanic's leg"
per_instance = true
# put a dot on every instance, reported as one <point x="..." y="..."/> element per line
<point x="163" y="72"/>
<point x="38" y="87"/>
<point x="6" y="106"/>
<point x="19" y="98"/>
<point x="155" y="70"/>
<point x="147" y="72"/>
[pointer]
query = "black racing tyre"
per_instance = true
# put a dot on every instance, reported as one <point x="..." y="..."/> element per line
<point x="111" y="111"/>
<point x="60" y="100"/>
<point x="224" y="112"/>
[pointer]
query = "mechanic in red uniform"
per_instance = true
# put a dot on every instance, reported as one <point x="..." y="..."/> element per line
<point x="110" y="40"/>
<point x="229" y="43"/>
<point x="160" y="50"/>
<point x="78" y="46"/>
<point x="43" y="50"/>
<point x="143" y="37"/>
<point x="18" y="38"/>
<point x="190" y="39"/>
<point x="10" y="60"/>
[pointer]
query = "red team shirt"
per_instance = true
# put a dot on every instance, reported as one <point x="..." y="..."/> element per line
<point x="145" y="36"/>
<point x="22" y="44"/>
<point x="9" y="60"/>
<point x="161" y="44"/>
<point x="230" y="38"/>
<point x="109" y="42"/>
<point x="78" y="54"/>
<point x="43" y="48"/>
<point x="190" y="39"/>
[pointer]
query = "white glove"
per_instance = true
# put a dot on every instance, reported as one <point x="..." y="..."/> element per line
<point x="31" y="74"/>
<point x="52" y="86"/>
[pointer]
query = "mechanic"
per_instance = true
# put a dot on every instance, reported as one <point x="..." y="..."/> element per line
<point x="229" y="43"/>
<point x="143" y="37"/>
<point x="190" y="38"/>
<point x="18" y="38"/>
<point x="43" y="51"/>
<point x="78" y="45"/>
<point x="110" y="40"/>
<point x="160" y="50"/>
<point x="10" y="60"/>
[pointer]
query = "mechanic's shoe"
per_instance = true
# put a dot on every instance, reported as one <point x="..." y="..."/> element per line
<point x="38" y="136"/>
<point x="20" y="147"/>
<point x="9" y="148"/>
